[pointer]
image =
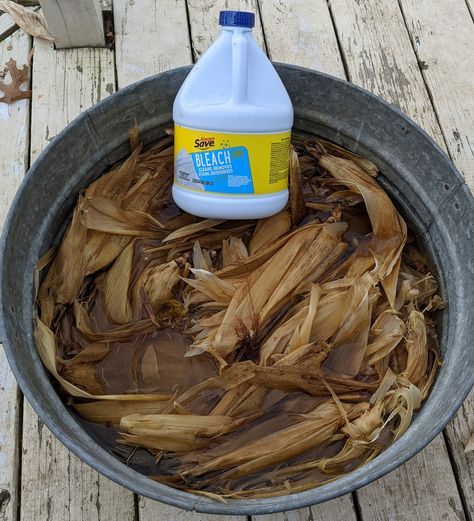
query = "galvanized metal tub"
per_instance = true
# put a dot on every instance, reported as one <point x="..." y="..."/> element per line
<point x="428" y="189"/>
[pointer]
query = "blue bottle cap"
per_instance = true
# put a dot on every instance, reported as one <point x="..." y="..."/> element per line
<point x="237" y="19"/>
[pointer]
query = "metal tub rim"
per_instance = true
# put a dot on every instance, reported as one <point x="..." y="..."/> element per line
<point x="417" y="173"/>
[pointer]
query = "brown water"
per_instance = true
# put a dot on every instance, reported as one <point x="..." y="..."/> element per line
<point x="152" y="363"/>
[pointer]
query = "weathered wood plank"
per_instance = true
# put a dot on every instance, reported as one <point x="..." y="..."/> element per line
<point x="423" y="489"/>
<point x="55" y="484"/>
<point x="13" y="125"/>
<point x="9" y="441"/>
<point x="301" y="33"/>
<point x="74" y="24"/>
<point x="379" y="57"/>
<point x="458" y="432"/>
<point x="204" y="21"/>
<point x="470" y="6"/>
<point x="154" y="511"/>
<point x="446" y="52"/>
<point x="7" y="26"/>
<point x="106" y="5"/>
<point x="14" y="136"/>
<point x="443" y="38"/>
<point x="338" y="509"/>
<point x="150" y="37"/>
<point x="65" y="83"/>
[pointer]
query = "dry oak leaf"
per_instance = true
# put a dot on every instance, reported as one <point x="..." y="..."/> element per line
<point x="31" y="22"/>
<point x="11" y="91"/>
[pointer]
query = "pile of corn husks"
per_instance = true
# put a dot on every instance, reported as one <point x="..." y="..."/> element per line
<point x="251" y="358"/>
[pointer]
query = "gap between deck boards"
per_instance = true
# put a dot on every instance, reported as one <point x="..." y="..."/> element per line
<point x="123" y="74"/>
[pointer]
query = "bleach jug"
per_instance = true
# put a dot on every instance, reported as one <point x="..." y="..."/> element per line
<point x="233" y="120"/>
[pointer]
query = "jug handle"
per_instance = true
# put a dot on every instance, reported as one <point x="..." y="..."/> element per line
<point x="239" y="67"/>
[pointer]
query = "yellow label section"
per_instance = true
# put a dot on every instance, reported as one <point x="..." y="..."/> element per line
<point x="232" y="164"/>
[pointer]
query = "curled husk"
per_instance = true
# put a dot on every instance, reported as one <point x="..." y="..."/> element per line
<point x="249" y="358"/>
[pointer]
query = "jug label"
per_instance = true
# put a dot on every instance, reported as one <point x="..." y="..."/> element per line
<point x="237" y="164"/>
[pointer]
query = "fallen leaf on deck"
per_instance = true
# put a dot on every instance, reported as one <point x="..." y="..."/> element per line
<point x="470" y="444"/>
<point x="29" y="21"/>
<point x="12" y="91"/>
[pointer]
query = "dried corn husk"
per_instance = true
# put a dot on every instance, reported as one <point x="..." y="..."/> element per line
<point x="113" y="412"/>
<point x="269" y="230"/>
<point x="210" y="285"/>
<point x="160" y="282"/>
<point x="417" y="347"/>
<point x="284" y="352"/>
<point x="386" y="333"/>
<point x="115" y="287"/>
<point x="278" y="446"/>
<point x="310" y="381"/>
<point x="297" y="202"/>
<point x="305" y="255"/>
<point x="201" y="258"/>
<point x="390" y="230"/>
<point x="192" y="230"/>
<point x="174" y="432"/>
<point x="233" y="251"/>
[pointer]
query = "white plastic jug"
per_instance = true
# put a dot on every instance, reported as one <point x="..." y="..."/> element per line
<point x="233" y="119"/>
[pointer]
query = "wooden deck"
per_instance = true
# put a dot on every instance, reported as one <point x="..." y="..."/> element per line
<point x="417" y="54"/>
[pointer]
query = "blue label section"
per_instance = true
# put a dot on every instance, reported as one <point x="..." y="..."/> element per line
<point x="226" y="170"/>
